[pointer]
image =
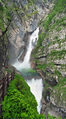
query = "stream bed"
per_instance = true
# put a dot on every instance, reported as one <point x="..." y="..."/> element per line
<point x="33" y="79"/>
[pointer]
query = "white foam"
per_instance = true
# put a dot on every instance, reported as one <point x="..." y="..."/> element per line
<point x="26" y="63"/>
<point x="36" y="87"/>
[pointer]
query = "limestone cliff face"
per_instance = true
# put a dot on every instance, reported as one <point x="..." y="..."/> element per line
<point x="24" y="21"/>
<point x="3" y="54"/>
<point x="3" y="39"/>
<point x="49" y="56"/>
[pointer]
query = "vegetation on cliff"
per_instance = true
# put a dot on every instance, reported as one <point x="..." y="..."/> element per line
<point x="5" y="17"/>
<point x="5" y="20"/>
<point x="49" y="56"/>
<point x="8" y="11"/>
<point x="19" y="102"/>
<point x="50" y="52"/>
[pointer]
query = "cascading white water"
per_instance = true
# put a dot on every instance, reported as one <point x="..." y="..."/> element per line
<point x="36" y="85"/>
<point x="26" y="63"/>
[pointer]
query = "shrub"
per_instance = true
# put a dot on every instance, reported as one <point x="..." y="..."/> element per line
<point x="19" y="102"/>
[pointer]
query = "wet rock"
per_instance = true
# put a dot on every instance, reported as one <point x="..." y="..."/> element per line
<point x="33" y="65"/>
<point x="22" y="55"/>
<point x="51" y="81"/>
<point x="43" y="106"/>
<point x="47" y="96"/>
<point x="49" y="70"/>
<point x="24" y="48"/>
<point x="0" y="33"/>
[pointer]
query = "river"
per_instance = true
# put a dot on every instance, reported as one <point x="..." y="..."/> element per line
<point x="35" y="81"/>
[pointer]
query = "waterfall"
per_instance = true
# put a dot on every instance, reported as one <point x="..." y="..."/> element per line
<point x="26" y="63"/>
<point x="36" y="85"/>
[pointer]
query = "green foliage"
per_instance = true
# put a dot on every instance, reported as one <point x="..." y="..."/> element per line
<point x="8" y="7"/>
<point x="51" y="25"/>
<point x="4" y="15"/>
<point x="59" y="7"/>
<point x="43" y="67"/>
<point x="41" y="37"/>
<point x="31" y="1"/>
<point x="19" y="102"/>
<point x="58" y="54"/>
<point x="51" y="117"/>
<point x="60" y="89"/>
<point x="30" y="15"/>
<point x="39" y="42"/>
<point x="28" y="72"/>
<point x="47" y="24"/>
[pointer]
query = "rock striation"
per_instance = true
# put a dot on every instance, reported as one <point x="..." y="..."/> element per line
<point x="49" y="57"/>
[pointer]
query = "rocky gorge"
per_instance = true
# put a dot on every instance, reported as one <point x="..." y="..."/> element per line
<point x="25" y="25"/>
<point x="48" y="57"/>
